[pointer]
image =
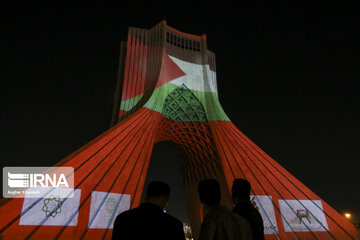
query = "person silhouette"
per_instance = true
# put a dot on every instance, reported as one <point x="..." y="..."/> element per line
<point x="240" y="195"/>
<point x="149" y="220"/>
<point x="219" y="222"/>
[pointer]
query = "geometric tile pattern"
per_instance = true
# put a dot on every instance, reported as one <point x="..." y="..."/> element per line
<point x="182" y="105"/>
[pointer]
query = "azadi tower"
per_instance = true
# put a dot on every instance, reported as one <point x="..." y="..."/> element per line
<point x="167" y="91"/>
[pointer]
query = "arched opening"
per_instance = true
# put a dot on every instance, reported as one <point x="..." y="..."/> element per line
<point x="164" y="166"/>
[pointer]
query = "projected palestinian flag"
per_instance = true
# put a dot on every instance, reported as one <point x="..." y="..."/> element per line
<point x="167" y="92"/>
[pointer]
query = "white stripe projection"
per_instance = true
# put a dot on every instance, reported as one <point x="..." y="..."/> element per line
<point x="195" y="74"/>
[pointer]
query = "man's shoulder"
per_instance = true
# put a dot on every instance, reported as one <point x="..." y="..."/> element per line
<point x="255" y="212"/>
<point x="171" y="219"/>
<point x="256" y="215"/>
<point x="218" y="212"/>
<point x="245" y="207"/>
<point x="240" y="218"/>
<point x="250" y="213"/>
<point x="232" y="215"/>
<point x="127" y="214"/>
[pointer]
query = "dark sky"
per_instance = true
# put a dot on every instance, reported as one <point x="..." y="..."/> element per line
<point x="288" y="77"/>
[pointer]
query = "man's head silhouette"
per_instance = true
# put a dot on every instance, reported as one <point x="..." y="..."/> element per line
<point x="241" y="189"/>
<point x="158" y="193"/>
<point x="209" y="192"/>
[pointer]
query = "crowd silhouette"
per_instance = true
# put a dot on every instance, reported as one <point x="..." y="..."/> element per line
<point x="150" y="220"/>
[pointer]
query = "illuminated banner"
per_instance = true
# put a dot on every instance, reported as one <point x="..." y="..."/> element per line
<point x="303" y="215"/>
<point x="105" y="207"/>
<point x="51" y="210"/>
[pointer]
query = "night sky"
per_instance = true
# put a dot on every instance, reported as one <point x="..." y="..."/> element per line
<point x="288" y="77"/>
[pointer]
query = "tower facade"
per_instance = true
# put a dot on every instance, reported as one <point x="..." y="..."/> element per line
<point x="167" y="91"/>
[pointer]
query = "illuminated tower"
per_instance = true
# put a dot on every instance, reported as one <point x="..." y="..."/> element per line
<point x="167" y="91"/>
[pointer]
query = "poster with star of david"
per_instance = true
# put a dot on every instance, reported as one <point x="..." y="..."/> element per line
<point x="105" y="207"/>
<point x="51" y="210"/>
